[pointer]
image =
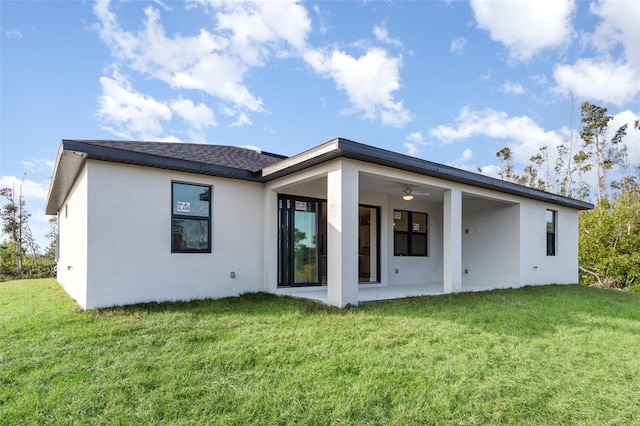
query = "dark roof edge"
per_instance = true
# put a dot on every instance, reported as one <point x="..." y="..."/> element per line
<point x="50" y="208"/>
<point x="336" y="148"/>
<point x="97" y="152"/>
<point x="345" y="148"/>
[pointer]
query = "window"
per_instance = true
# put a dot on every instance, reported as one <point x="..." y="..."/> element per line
<point x="190" y="218"/>
<point x="551" y="232"/>
<point x="409" y="233"/>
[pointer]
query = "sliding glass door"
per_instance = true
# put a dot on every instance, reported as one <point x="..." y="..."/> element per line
<point x="300" y="241"/>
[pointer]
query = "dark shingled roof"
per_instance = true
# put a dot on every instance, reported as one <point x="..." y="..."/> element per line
<point x="217" y="155"/>
<point x="247" y="164"/>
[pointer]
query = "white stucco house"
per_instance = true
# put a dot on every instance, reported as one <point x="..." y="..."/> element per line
<point x="341" y="223"/>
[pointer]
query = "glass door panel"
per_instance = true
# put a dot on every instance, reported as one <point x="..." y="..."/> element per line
<point x="301" y="236"/>
<point x="368" y="244"/>
<point x="284" y="242"/>
<point x="305" y="219"/>
<point x="323" y="242"/>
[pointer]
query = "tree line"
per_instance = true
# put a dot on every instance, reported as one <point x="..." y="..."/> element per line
<point x="609" y="235"/>
<point x="20" y="254"/>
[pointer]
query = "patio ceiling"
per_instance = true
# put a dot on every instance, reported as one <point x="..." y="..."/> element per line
<point x="395" y="187"/>
<point x="385" y="185"/>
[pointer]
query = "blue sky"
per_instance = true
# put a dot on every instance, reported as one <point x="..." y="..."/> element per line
<point x="451" y="82"/>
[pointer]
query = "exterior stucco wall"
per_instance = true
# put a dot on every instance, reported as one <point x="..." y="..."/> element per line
<point x="490" y="243"/>
<point x="72" y="249"/>
<point x="404" y="270"/>
<point x="536" y="266"/>
<point x="129" y="238"/>
<point x="115" y="235"/>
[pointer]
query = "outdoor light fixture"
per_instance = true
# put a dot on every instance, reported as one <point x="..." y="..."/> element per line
<point x="408" y="195"/>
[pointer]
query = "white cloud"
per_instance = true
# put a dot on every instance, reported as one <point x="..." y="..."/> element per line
<point x="411" y="149"/>
<point x="540" y="79"/>
<point x="512" y="88"/>
<point x="618" y="25"/>
<point x="198" y="116"/>
<point x="252" y="147"/>
<point x="181" y="62"/>
<point x="488" y="75"/>
<point x="382" y="35"/>
<point x="38" y="165"/>
<point x="395" y="114"/>
<point x="461" y="162"/>
<point x="525" y="137"/>
<point x="613" y="76"/>
<point x="163" y="5"/>
<point x="458" y="45"/>
<point x="412" y="143"/>
<point x="369" y="81"/>
<point x="600" y="81"/>
<point x="243" y="120"/>
<point x="130" y="114"/>
<point x="171" y="138"/>
<point x="31" y="190"/>
<point x="260" y="27"/>
<point x="466" y="156"/>
<point x="526" y="27"/>
<point x="13" y="34"/>
<point x="323" y="27"/>
<point x="491" y="170"/>
<point x="244" y="35"/>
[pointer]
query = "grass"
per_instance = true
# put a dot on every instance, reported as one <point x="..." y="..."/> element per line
<point x="538" y="355"/>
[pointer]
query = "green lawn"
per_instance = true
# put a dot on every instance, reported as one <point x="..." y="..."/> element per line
<point x="540" y="355"/>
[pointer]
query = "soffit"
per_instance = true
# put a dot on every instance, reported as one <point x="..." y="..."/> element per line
<point x="68" y="165"/>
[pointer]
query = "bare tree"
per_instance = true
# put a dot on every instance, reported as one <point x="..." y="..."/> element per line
<point x="15" y="224"/>
<point x="508" y="173"/>
<point x="605" y="154"/>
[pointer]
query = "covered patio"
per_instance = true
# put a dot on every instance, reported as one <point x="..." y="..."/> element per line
<point x="366" y="292"/>
<point x="375" y="292"/>
<point x="471" y="240"/>
<point x="376" y="225"/>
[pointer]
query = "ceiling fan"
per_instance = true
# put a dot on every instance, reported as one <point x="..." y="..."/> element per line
<point x="409" y="193"/>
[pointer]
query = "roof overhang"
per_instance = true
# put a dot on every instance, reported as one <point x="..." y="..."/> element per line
<point x="344" y="148"/>
<point x="72" y="155"/>
<point x="65" y="171"/>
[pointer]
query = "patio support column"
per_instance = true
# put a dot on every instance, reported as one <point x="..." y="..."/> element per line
<point x="342" y="238"/>
<point x="452" y="241"/>
<point x="270" y="249"/>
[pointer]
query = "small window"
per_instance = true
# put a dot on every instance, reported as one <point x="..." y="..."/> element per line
<point x="190" y="218"/>
<point x="409" y="233"/>
<point x="551" y="232"/>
